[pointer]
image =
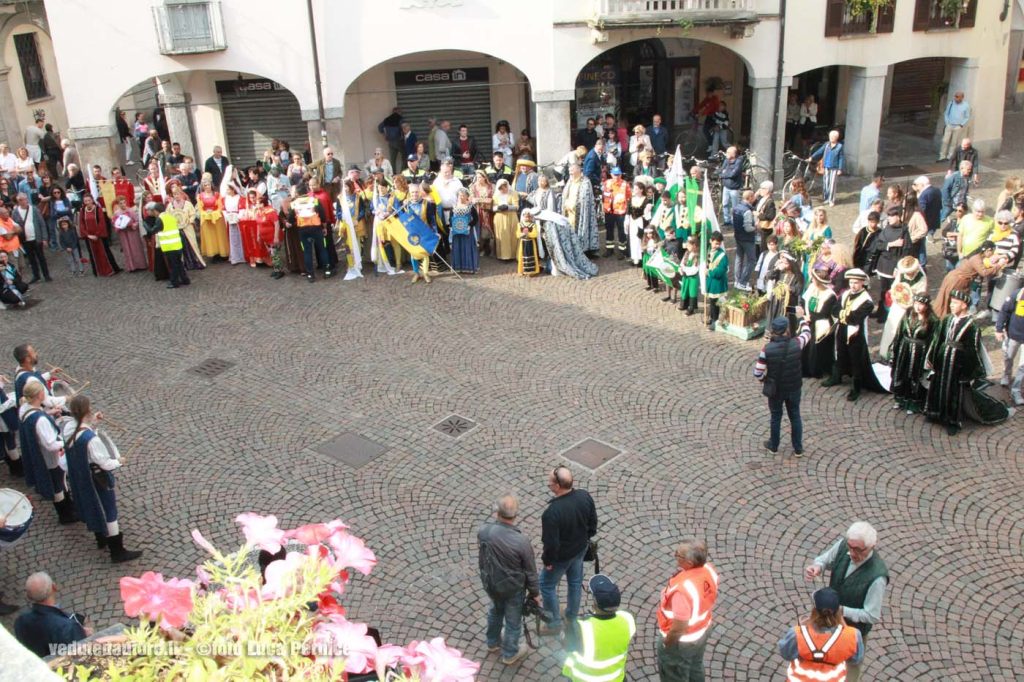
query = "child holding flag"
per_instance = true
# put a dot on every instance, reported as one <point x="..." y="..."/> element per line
<point x="717" y="280"/>
<point x="689" y="272"/>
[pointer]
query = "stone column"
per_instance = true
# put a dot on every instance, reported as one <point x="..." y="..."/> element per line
<point x="554" y="139"/>
<point x="96" y="146"/>
<point x="864" y="119"/>
<point x="332" y="126"/>
<point x="179" y="123"/>
<point x="9" y="129"/>
<point x="768" y="91"/>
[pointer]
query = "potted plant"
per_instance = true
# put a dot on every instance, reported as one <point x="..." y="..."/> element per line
<point x="744" y="314"/>
<point x="271" y="610"/>
<point x="952" y="10"/>
<point x="860" y="8"/>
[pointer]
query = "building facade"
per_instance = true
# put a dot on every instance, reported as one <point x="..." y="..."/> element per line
<point x="238" y="73"/>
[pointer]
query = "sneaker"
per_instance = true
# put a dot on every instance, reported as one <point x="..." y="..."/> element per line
<point x="1004" y="382"/>
<point x="310" y="278"/>
<point x="493" y="649"/>
<point x="798" y="453"/>
<point x="768" y="447"/>
<point x="520" y="655"/>
<point x="853" y="395"/>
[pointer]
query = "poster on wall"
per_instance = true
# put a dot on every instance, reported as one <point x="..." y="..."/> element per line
<point x="685" y="88"/>
<point x="596" y="92"/>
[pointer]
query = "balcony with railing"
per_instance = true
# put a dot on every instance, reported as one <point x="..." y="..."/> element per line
<point x="639" y="13"/>
<point x="189" y="26"/>
<point x="841" y="21"/>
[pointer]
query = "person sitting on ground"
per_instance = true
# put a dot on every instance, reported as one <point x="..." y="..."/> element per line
<point x="44" y="623"/>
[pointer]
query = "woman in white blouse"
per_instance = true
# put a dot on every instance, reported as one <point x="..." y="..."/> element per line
<point x="638" y="142"/>
<point x="501" y="141"/>
<point x="379" y="162"/>
<point x="808" y="118"/>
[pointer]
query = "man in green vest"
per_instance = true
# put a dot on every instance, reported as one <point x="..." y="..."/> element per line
<point x="603" y="636"/>
<point x="859" y="575"/>
<point x="168" y="242"/>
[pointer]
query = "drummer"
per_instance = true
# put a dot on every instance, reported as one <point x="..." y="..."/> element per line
<point x="28" y="358"/>
<point x="93" y="493"/>
<point x="9" y="430"/>
<point x="41" y="448"/>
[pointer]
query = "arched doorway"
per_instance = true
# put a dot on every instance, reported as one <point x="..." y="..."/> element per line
<point x="240" y="112"/>
<point x="460" y="86"/>
<point x="667" y="76"/>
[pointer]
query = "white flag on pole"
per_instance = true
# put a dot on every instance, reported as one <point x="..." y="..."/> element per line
<point x="675" y="174"/>
<point x="710" y="225"/>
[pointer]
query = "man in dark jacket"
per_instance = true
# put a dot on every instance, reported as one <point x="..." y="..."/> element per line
<point x="509" y="576"/>
<point x="892" y="244"/>
<point x="1010" y="332"/>
<point x="745" y="231"/>
<point x="566" y="528"/>
<point x="966" y="152"/>
<point x="44" y="624"/>
<point x="778" y="367"/>
<point x="954" y="189"/>
<point x="592" y="164"/>
<point x="216" y="165"/>
<point x="731" y="173"/>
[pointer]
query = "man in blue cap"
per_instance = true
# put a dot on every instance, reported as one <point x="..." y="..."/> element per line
<point x="615" y="199"/>
<point x="603" y="636"/>
<point x="779" y="369"/>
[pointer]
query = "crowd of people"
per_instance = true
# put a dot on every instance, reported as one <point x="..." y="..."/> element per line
<point x="829" y="644"/>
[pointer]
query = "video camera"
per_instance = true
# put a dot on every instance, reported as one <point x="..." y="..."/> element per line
<point x="532" y="608"/>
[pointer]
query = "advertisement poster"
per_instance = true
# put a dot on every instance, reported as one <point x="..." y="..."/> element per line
<point x="685" y="89"/>
<point x="596" y="92"/>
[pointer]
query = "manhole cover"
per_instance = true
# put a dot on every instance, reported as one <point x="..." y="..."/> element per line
<point x="455" y="426"/>
<point x="212" y="367"/>
<point x="351" y="449"/>
<point x="591" y="453"/>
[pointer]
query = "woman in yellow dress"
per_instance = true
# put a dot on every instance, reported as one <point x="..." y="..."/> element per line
<point x="528" y="253"/>
<point x="506" y="221"/>
<point x="399" y="195"/>
<point x="213" y="231"/>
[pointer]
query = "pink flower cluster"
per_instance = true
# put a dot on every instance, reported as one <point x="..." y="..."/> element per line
<point x="169" y="602"/>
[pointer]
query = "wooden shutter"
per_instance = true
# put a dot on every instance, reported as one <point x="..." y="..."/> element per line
<point x="834" y="11"/>
<point x="968" y="17"/>
<point x="922" y="15"/>
<point x="886" y="19"/>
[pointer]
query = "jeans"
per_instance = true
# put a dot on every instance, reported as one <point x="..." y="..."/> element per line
<point x="507" y="611"/>
<point x="614" y="227"/>
<point x="730" y="198"/>
<point x="682" y="663"/>
<point x="792" y="403"/>
<point x="572" y="569"/>
<point x="718" y="139"/>
<point x="1010" y="350"/>
<point x="745" y="260"/>
<point x="312" y="239"/>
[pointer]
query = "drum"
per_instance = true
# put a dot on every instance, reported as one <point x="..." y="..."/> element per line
<point x="18" y="510"/>
<point x="61" y="389"/>
<point x="110" y="445"/>
<point x="1006" y="286"/>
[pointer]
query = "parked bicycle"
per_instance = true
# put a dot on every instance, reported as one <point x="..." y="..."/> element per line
<point x="802" y="168"/>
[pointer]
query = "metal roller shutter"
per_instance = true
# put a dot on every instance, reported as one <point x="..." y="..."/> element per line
<point x="252" y="120"/>
<point x="914" y="83"/>
<point x="469" y="104"/>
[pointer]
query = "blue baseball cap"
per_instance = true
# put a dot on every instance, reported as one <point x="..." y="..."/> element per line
<point x="616" y="171"/>
<point x="606" y="593"/>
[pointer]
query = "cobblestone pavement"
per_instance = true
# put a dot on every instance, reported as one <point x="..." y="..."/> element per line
<point x="540" y="364"/>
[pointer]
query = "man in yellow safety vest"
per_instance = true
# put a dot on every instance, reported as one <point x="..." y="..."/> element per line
<point x="603" y="637"/>
<point x="168" y="241"/>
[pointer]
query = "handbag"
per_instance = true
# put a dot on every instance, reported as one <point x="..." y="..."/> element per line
<point x="768" y="388"/>
<point x="591" y="555"/>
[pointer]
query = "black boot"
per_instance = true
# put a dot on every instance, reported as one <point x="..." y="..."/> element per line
<point x="15" y="467"/>
<point x="65" y="512"/>
<point x="101" y="540"/>
<point x="118" y="554"/>
<point x="6" y="609"/>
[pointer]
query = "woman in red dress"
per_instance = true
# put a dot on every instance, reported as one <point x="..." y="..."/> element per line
<point x="268" y="231"/>
<point x="93" y="227"/>
<point x="255" y="252"/>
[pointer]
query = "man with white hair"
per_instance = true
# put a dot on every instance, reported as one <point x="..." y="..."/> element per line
<point x="44" y="624"/>
<point x="834" y="161"/>
<point x="859" y="575"/>
<point x="929" y="200"/>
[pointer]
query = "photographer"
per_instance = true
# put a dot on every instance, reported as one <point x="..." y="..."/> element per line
<point x="508" y="573"/>
<point x="605" y="635"/>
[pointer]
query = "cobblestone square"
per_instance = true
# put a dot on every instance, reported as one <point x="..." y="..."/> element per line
<point x="539" y="365"/>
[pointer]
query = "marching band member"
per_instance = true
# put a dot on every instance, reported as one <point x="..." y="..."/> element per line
<point x="41" y="448"/>
<point x="91" y="468"/>
<point x="28" y="358"/>
<point x="9" y="431"/>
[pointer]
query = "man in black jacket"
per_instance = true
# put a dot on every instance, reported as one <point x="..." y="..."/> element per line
<point x="508" y="572"/>
<point x="216" y="165"/>
<point x="566" y="528"/>
<point x="778" y="367"/>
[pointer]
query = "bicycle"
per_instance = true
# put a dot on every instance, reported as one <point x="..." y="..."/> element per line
<point x="802" y="169"/>
<point x="753" y="172"/>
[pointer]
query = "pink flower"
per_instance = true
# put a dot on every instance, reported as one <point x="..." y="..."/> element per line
<point x="282" y="576"/>
<point x="261" y="531"/>
<point x="202" y="577"/>
<point x="391" y="656"/>
<point x="167" y="603"/>
<point x="441" y="663"/>
<point x="235" y="600"/>
<point x="198" y="538"/>
<point x="350" y="551"/>
<point x="315" y="533"/>
<point x="342" y="638"/>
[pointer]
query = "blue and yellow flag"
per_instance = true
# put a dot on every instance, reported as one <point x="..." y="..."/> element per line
<point x="412" y="233"/>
